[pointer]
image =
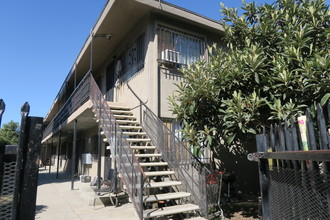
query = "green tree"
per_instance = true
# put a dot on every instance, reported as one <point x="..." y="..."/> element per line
<point x="275" y="65"/>
<point x="9" y="134"/>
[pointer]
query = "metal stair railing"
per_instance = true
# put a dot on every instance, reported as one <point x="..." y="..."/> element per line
<point x="188" y="168"/>
<point x="125" y="160"/>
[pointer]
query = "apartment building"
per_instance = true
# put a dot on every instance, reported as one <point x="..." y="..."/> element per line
<point x="113" y="104"/>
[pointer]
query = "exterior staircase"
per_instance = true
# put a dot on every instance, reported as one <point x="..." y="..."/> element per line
<point x="161" y="195"/>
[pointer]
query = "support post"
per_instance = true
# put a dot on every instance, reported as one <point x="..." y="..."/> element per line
<point x="58" y="153"/>
<point x="73" y="159"/>
<point x="115" y="162"/>
<point x="99" y="152"/>
<point x="46" y="152"/>
<point x="50" y="155"/>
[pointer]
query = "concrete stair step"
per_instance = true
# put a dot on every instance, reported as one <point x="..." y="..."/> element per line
<point x="143" y="147"/>
<point x="153" y="164"/>
<point x="138" y="139"/>
<point x="165" y="196"/>
<point x="159" y="173"/>
<point x="115" y="111"/>
<point x="125" y="127"/>
<point x="127" y="122"/>
<point x="134" y="133"/>
<point x="162" y="184"/>
<point x="148" y="155"/>
<point x="124" y="116"/>
<point x="169" y="210"/>
<point x="118" y="106"/>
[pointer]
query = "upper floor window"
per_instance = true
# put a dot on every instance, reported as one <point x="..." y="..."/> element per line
<point x="178" y="47"/>
<point x="132" y="60"/>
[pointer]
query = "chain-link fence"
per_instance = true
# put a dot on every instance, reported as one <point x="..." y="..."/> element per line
<point x="298" y="194"/>
<point x="294" y="167"/>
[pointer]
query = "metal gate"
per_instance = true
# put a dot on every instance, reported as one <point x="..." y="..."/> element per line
<point x="294" y="168"/>
<point x="19" y="170"/>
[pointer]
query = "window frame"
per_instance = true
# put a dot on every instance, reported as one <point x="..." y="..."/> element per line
<point x="171" y="55"/>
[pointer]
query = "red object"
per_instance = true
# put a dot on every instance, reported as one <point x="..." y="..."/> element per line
<point x="212" y="179"/>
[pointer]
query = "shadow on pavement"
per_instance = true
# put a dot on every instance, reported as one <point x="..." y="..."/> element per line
<point x="45" y="177"/>
<point x="41" y="208"/>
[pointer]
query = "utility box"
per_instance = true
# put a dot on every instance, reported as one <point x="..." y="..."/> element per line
<point x="85" y="178"/>
<point x="86" y="159"/>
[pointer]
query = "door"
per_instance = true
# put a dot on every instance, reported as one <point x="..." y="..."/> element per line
<point x="110" y="82"/>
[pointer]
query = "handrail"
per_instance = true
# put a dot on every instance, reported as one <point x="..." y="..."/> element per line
<point x="141" y="102"/>
<point x="132" y="173"/>
<point x="189" y="169"/>
<point x="59" y="117"/>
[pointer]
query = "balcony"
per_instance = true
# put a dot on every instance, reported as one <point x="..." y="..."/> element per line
<point x="77" y="99"/>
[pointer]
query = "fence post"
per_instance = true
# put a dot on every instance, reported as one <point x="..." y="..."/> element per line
<point x="28" y="192"/>
<point x="263" y="175"/>
<point x="2" y="109"/>
<point x="322" y="128"/>
<point x="19" y="164"/>
<point x="310" y="130"/>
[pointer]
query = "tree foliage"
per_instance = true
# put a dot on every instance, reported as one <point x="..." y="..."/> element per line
<point x="276" y="63"/>
<point x="9" y="134"/>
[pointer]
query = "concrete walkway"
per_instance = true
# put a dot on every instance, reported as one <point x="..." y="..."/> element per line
<point x="56" y="201"/>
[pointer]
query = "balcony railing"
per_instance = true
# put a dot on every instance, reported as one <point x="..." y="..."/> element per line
<point x="76" y="100"/>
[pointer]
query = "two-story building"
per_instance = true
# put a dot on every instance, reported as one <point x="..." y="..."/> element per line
<point x="119" y="83"/>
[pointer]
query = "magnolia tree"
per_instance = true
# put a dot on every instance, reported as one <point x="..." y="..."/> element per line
<point x="275" y="65"/>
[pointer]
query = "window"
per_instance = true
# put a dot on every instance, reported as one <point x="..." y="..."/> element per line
<point x="132" y="59"/>
<point x="177" y="129"/>
<point x="178" y="47"/>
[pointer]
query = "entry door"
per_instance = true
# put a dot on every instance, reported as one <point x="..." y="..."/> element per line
<point x="110" y="79"/>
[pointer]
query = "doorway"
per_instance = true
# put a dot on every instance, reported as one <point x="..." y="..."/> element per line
<point x="110" y="82"/>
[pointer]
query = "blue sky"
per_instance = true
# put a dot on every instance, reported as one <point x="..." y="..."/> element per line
<point x="41" y="39"/>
